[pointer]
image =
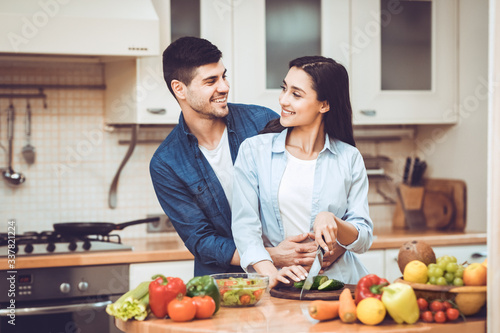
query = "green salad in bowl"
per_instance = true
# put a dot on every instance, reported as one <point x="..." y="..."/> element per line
<point x="241" y="289"/>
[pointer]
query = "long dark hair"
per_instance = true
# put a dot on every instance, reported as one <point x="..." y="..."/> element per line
<point x="331" y="83"/>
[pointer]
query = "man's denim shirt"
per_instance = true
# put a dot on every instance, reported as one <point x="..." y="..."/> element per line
<point x="192" y="196"/>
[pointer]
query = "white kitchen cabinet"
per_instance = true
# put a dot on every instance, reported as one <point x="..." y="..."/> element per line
<point x="404" y="65"/>
<point x="251" y="47"/>
<point x="374" y="261"/>
<point x="382" y="43"/>
<point x="465" y="253"/>
<point x="183" y="269"/>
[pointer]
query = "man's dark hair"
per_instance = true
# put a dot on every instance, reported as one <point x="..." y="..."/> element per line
<point x="184" y="56"/>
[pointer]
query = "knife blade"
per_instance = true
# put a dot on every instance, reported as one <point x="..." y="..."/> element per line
<point x="314" y="271"/>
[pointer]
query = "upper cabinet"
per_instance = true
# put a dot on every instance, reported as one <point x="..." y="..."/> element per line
<point x="270" y="33"/>
<point x="404" y="61"/>
<point x="401" y="55"/>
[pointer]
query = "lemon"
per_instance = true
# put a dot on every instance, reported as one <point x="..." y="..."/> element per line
<point x="415" y="271"/>
<point x="371" y="311"/>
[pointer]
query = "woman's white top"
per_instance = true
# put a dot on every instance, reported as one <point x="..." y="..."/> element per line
<point x="295" y="195"/>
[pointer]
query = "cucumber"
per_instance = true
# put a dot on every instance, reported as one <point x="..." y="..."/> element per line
<point x="331" y="284"/>
<point x="299" y="284"/>
<point x="318" y="280"/>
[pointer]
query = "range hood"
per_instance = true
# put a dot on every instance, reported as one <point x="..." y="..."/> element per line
<point x="79" y="27"/>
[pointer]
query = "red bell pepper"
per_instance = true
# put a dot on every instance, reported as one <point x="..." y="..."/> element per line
<point x="369" y="286"/>
<point x="162" y="290"/>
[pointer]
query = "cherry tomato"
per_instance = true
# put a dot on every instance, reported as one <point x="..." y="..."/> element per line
<point x="447" y="305"/>
<point x="436" y="306"/>
<point x="258" y="293"/>
<point x="245" y="299"/>
<point x="205" y="306"/>
<point x="182" y="309"/>
<point x="440" y="317"/>
<point x="452" y="314"/>
<point x="422" y="304"/>
<point x="427" y="316"/>
<point x="230" y="282"/>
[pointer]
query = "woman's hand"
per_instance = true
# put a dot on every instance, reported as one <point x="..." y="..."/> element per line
<point x="325" y="231"/>
<point x="293" y="273"/>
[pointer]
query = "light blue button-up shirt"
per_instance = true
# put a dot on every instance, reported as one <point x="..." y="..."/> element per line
<point x="340" y="186"/>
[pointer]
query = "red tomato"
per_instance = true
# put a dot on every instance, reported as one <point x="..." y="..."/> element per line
<point x="440" y="317"/>
<point x="230" y="282"/>
<point x="245" y="299"/>
<point x="447" y="305"/>
<point x="452" y="314"/>
<point x="205" y="306"/>
<point x="422" y="304"/>
<point x="436" y="306"/>
<point x="427" y="316"/>
<point x="182" y="309"/>
<point x="258" y="293"/>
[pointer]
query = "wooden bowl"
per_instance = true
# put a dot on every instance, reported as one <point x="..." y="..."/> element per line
<point x="469" y="299"/>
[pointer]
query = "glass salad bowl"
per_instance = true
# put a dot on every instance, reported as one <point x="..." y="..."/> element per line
<point x="241" y="289"/>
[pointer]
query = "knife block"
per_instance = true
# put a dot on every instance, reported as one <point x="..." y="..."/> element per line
<point x="444" y="206"/>
<point x="411" y="199"/>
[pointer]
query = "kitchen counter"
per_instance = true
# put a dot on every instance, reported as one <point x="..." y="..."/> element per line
<point x="282" y="315"/>
<point x="170" y="248"/>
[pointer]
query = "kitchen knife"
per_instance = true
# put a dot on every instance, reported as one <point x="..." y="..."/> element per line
<point x="407" y="170"/>
<point x="314" y="271"/>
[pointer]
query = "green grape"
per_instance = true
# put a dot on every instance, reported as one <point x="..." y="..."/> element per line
<point x="441" y="281"/>
<point x="458" y="282"/>
<point x="446" y="258"/>
<point x="452" y="267"/>
<point x="431" y="272"/>
<point x="460" y="272"/>
<point x="442" y="264"/>
<point x="453" y="259"/>
<point x="432" y="266"/>
<point x="438" y="272"/>
<point x="449" y="277"/>
<point x="433" y="280"/>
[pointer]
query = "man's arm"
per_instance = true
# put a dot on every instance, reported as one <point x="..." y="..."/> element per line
<point x="196" y="230"/>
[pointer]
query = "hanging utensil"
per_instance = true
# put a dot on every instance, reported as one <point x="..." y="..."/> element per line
<point x="9" y="174"/>
<point x="28" y="150"/>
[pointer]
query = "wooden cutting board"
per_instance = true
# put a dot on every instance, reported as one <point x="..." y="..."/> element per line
<point x="291" y="292"/>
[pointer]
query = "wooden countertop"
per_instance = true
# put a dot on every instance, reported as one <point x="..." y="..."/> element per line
<point x="170" y="248"/>
<point x="282" y="315"/>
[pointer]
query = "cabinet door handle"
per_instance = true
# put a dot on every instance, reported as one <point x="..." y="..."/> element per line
<point x="156" y="110"/>
<point x="369" y="113"/>
<point x="476" y="255"/>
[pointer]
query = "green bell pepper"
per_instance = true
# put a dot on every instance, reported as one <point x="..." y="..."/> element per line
<point x="204" y="285"/>
<point x="401" y="303"/>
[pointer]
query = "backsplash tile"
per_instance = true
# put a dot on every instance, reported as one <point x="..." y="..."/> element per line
<point x="77" y="156"/>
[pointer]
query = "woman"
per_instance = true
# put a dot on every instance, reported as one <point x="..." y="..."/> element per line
<point x="304" y="175"/>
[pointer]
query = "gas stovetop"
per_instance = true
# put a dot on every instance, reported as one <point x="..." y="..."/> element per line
<point x="50" y="242"/>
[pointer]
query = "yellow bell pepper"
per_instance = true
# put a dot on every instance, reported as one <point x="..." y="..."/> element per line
<point x="401" y="303"/>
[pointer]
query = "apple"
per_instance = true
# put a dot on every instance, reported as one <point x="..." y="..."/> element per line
<point x="475" y="275"/>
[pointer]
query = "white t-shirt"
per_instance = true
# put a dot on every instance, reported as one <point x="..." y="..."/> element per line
<point x="222" y="164"/>
<point x="295" y="195"/>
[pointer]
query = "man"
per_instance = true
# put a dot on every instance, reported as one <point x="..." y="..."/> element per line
<point x="192" y="170"/>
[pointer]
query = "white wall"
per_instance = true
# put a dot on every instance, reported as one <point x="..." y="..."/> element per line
<point x="460" y="151"/>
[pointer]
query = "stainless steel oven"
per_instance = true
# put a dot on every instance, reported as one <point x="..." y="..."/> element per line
<point x="61" y="299"/>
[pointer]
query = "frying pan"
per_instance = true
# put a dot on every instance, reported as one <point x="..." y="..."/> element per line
<point x="96" y="228"/>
